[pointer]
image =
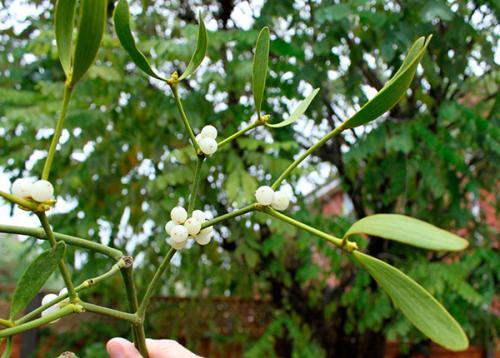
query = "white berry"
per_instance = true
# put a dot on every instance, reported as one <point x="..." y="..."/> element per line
<point x="169" y="226"/>
<point x="22" y="188"/>
<point x="208" y="145"/>
<point x="63" y="292"/>
<point x="179" y="234"/>
<point x="42" y="191"/>
<point x="264" y="195"/>
<point x="204" y="236"/>
<point x="280" y="201"/>
<point x="193" y="226"/>
<point x="49" y="298"/>
<point x="178" y="215"/>
<point x="198" y="138"/>
<point x="209" y="132"/>
<point x="176" y="245"/>
<point x="199" y="215"/>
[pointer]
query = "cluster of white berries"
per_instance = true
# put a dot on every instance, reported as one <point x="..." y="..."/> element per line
<point x="278" y="200"/>
<point x="206" y="140"/>
<point x="51" y="297"/>
<point x="41" y="190"/>
<point x="181" y="228"/>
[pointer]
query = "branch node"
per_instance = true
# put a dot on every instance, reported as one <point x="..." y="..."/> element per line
<point x="128" y="261"/>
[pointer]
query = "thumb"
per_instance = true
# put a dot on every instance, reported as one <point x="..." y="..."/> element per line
<point x="121" y="348"/>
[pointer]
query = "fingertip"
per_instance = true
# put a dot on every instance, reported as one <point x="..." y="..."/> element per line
<point x="167" y="348"/>
<point x="121" y="348"/>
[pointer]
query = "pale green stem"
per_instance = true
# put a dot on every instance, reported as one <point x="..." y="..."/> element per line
<point x="8" y="348"/>
<point x="185" y="120"/>
<point x="132" y="318"/>
<point x="155" y="283"/>
<point x="230" y="215"/>
<point x="196" y="184"/>
<point x="5" y="322"/>
<point x="39" y="233"/>
<point x="64" y="311"/>
<point x="239" y="133"/>
<point x="84" y="285"/>
<point x="137" y="330"/>
<point x="62" y="266"/>
<point x="345" y="245"/>
<point x="19" y="201"/>
<point x="304" y="155"/>
<point x="68" y="90"/>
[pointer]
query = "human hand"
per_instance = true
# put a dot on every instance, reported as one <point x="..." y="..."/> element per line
<point x="157" y="348"/>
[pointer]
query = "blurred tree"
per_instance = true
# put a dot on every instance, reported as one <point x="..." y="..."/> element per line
<point x="124" y="163"/>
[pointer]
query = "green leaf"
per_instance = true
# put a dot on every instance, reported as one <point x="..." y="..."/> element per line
<point x="409" y="231"/>
<point x="64" y="22"/>
<point x="199" y="53"/>
<point x="260" y="61"/>
<point x="418" y="305"/>
<point x="121" y="18"/>
<point x="393" y="90"/>
<point x="91" y="26"/>
<point x="35" y="276"/>
<point x="301" y="108"/>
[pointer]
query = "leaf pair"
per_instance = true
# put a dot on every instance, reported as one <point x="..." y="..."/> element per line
<point x="259" y="74"/>
<point x="393" y="90"/>
<point x="121" y="19"/>
<point x="408" y="231"/>
<point x="77" y="59"/>
<point x="418" y="305"/>
<point x="34" y="277"/>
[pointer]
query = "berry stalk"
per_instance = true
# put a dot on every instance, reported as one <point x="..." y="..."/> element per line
<point x="68" y="90"/>
<point x="344" y="245"/>
<point x="185" y="120"/>
<point x="196" y="185"/>
<point x="306" y="154"/>
<point x="240" y="133"/>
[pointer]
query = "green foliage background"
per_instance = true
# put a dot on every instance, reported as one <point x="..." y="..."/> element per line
<point x="125" y="161"/>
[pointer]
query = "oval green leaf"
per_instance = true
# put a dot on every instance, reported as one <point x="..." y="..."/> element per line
<point x="259" y="70"/>
<point x="121" y="19"/>
<point x="393" y="90"/>
<point x="418" y="305"/>
<point x="409" y="231"/>
<point x="91" y="26"/>
<point x="199" y="53"/>
<point x="63" y="24"/>
<point x="301" y="108"/>
<point x="34" y="277"/>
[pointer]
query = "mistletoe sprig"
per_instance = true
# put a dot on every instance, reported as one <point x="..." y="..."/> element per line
<point x="77" y="53"/>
